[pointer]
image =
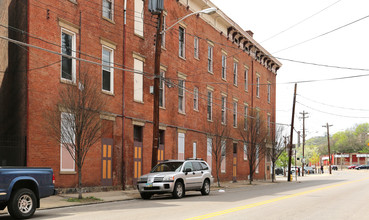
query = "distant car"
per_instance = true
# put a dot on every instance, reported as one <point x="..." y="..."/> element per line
<point x="176" y="177"/>
<point x="352" y="166"/>
<point x="334" y="167"/>
<point x="309" y="170"/>
<point x="362" y="167"/>
<point x="278" y="171"/>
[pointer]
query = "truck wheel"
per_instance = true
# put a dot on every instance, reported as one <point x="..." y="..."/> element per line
<point x="178" y="191"/>
<point x="205" y="190"/>
<point x="22" y="204"/>
<point x="146" y="195"/>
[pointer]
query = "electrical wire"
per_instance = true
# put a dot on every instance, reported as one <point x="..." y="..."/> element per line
<point x="333" y="106"/>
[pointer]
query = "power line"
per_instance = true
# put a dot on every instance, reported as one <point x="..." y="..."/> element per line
<point x="333" y="106"/>
<point x="303" y="20"/>
<point x="321" y="35"/>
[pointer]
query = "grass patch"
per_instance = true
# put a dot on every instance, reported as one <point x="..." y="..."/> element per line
<point x="84" y="200"/>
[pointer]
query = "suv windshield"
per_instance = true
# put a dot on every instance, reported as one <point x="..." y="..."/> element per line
<point x="167" y="167"/>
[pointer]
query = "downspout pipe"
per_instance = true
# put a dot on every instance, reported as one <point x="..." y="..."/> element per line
<point x="123" y="95"/>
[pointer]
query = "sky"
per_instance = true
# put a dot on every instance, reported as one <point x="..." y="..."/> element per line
<point x="327" y="32"/>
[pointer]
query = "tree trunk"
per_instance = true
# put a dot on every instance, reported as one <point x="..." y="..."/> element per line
<point x="217" y="168"/>
<point x="79" y="182"/>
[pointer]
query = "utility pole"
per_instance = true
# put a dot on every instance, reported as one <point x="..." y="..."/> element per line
<point x="329" y="148"/>
<point x="155" y="141"/>
<point x="303" y="140"/>
<point x="291" y="137"/>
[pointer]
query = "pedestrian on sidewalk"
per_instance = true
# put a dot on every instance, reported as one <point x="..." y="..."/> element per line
<point x="322" y="168"/>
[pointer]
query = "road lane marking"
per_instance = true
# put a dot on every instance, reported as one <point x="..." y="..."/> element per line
<point x="226" y="211"/>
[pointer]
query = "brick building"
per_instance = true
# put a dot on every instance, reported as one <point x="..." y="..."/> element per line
<point x="210" y="69"/>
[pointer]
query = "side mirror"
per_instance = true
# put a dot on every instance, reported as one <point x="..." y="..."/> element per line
<point x="188" y="170"/>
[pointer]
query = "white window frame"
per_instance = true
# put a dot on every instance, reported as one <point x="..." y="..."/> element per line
<point x="181" y="95"/>
<point x="246" y="79"/>
<point x="223" y="163"/>
<point x="209" y="151"/>
<point x="210" y="58"/>
<point x="194" y="148"/>
<point x="257" y="158"/>
<point x="196" y="98"/>
<point x="162" y="89"/>
<point x="235" y="73"/>
<point x="269" y="123"/>
<point x="110" y="11"/>
<point x="138" y="80"/>
<point x="224" y="109"/>
<point x="139" y="18"/>
<point x="244" y="151"/>
<point x="63" y="140"/>
<point x="181" y="146"/>
<point x="245" y="115"/>
<point x="182" y="45"/>
<point x="111" y="69"/>
<point x="163" y="36"/>
<point x="196" y="47"/>
<point x="235" y="105"/>
<point x="224" y="66"/>
<point x="209" y="109"/>
<point x="73" y="54"/>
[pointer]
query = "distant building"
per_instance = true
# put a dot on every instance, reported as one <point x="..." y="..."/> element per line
<point x="210" y="67"/>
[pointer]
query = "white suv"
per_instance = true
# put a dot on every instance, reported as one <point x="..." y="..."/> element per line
<point x="176" y="177"/>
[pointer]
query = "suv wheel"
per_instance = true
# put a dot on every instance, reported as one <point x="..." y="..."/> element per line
<point x="178" y="191"/>
<point x="146" y="195"/>
<point x="22" y="204"/>
<point x="205" y="190"/>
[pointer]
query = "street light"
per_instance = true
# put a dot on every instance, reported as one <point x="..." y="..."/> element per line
<point x="159" y="33"/>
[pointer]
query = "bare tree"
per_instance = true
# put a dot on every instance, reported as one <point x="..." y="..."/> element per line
<point x="75" y="121"/>
<point x="277" y="147"/>
<point x="253" y="131"/>
<point x="219" y="131"/>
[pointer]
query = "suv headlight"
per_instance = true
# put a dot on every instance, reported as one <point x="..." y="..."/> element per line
<point x="168" y="178"/>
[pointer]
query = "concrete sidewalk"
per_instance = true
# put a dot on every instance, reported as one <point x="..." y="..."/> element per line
<point x="61" y="200"/>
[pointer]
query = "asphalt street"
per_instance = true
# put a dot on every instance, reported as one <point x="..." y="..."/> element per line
<point x="342" y="195"/>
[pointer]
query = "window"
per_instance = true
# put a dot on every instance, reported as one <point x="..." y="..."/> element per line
<point x="258" y="121"/>
<point x="182" y="42"/>
<point x="257" y="159"/>
<point x="235" y="73"/>
<point x="246" y="79"/>
<point x="196" y="47"/>
<point x="224" y="67"/>
<point x="196" y="98"/>
<point x="138" y="81"/>
<point x="210" y="106"/>
<point x="108" y="9"/>
<point x="139" y="17"/>
<point x="107" y="70"/>
<point x="194" y="149"/>
<point x="210" y="58"/>
<point x="224" y="109"/>
<point x="269" y="91"/>
<point x="258" y="86"/>
<point x="163" y="29"/>
<point x="235" y="114"/>
<point x="181" y="95"/>
<point x="244" y="151"/>
<point x="67" y="124"/>
<point x="161" y="89"/>
<point x="223" y="156"/>
<point x="209" y="151"/>
<point x="245" y="117"/>
<point x="181" y="146"/>
<point x="137" y="133"/>
<point x="68" y="70"/>
<point x="268" y="121"/>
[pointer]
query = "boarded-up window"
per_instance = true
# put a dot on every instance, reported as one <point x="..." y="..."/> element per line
<point x="181" y="146"/>
<point x="138" y="81"/>
<point x="139" y="17"/>
<point x="67" y="140"/>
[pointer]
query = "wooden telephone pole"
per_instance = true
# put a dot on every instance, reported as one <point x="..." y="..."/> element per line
<point x="303" y="140"/>
<point x="329" y="148"/>
<point x="291" y="136"/>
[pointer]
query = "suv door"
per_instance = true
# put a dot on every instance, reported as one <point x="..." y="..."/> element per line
<point x="199" y="174"/>
<point x="189" y="175"/>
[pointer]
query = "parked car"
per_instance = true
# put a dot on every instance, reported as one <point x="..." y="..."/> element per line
<point x="352" y="166"/>
<point x="21" y="189"/>
<point x="309" y="170"/>
<point x="334" y="167"/>
<point x="362" y="167"/>
<point x="176" y="177"/>
<point x="279" y="171"/>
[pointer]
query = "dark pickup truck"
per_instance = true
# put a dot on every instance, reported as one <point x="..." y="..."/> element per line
<point x="21" y="189"/>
